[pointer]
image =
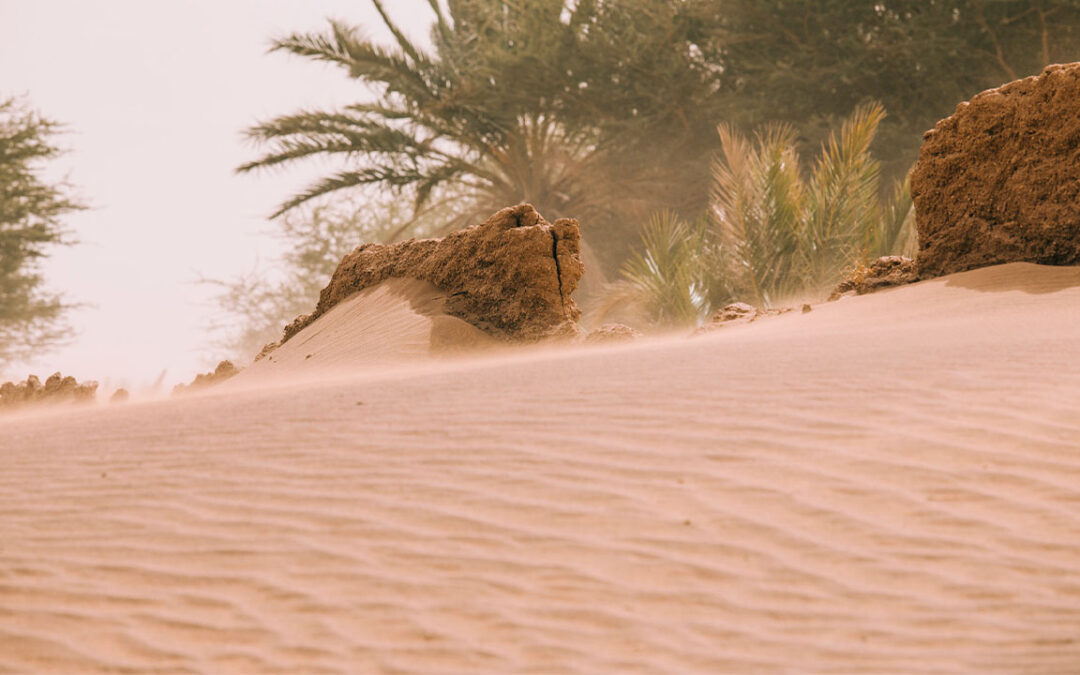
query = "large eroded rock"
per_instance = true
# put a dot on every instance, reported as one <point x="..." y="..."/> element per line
<point x="512" y="276"/>
<point x="999" y="180"/>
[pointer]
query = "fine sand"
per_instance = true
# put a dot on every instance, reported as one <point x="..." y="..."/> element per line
<point x="888" y="484"/>
<point x="395" y="322"/>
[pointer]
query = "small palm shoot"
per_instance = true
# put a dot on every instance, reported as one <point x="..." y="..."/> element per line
<point x="668" y="274"/>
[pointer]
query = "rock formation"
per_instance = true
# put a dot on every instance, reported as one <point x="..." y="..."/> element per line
<point x="890" y="270"/>
<point x="56" y="389"/>
<point x="512" y="276"/>
<point x="999" y="180"/>
<point x="224" y="371"/>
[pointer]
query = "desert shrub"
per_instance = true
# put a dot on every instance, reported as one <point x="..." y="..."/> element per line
<point x="783" y="233"/>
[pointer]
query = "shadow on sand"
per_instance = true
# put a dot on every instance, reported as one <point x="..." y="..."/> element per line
<point x="1024" y="277"/>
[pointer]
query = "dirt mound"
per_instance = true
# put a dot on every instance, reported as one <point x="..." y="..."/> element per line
<point x="999" y="180"/>
<point x="57" y="389"/>
<point x="511" y="277"/>
<point x="890" y="270"/>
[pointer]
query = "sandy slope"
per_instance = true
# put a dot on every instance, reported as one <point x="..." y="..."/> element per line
<point x="890" y="483"/>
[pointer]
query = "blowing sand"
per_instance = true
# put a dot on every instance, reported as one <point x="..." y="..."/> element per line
<point x="395" y="322"/>
<point x="888" y="484"/>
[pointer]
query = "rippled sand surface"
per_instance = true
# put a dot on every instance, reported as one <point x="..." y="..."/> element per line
<point x="888" y="484"/>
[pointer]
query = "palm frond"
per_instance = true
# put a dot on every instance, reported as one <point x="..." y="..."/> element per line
<point x="334" y="47"/>
<point x="667" y="271"/>
<point x="896" y="234"/>
<point x="758" y="204"/>
<point x="781" y="234"/>
<point x="389" y="176"/>
<point x="844" y="202"/>
<point x="403" y="42"/>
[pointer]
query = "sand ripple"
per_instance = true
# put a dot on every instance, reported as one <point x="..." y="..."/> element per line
<point x="818" y="493"/>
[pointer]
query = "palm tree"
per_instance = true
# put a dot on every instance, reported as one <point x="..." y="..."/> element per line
<point x="497" y="113"/>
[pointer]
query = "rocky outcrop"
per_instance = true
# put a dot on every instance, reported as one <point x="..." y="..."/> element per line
<point x="891" y="270"/>
<point x="224" y="371"/>
<point x="999" y="180"/>
<point x="57" y="389"/>
<point x="512" y="276"/>
<point x="612" y="332"/>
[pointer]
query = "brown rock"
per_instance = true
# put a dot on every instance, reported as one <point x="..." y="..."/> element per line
<point x="224" y="371"/>
<point x="266" y="350"/>
<point x="85" y="392"/>
<point x="57" y="389"/>
<point x="738" y="312"/>
<point x="512" y="276"/>
<point x="612" y="332"/>
<point x="890" y="270"/>
<point x="999" y="180"/>
<point x="32" y="388"/>
<point x="119" y="396"/>
<point x="52" y="383"/>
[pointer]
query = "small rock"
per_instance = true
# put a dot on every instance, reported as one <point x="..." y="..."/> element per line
<point x="612" y="332"/>
<point x="738" y="312"/>
<point x="891" y="270"/>
<point x="224" y="371"/>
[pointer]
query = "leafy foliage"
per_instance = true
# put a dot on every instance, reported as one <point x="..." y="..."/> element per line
<point x="31" y="212"/>
<point x="588" y="109"/>
<point x="668" y="276"/>
<point x="809" y="63"/>
<point x="759" y="201"/>
<point x="783" y="233"/>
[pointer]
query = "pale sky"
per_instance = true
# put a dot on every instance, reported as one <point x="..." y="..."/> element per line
<point x="156" y="96"/>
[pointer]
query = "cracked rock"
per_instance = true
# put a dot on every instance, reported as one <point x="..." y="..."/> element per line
<point x="512" y="276"/>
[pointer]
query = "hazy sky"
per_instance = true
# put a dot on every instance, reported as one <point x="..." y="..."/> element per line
<point x="156" y="95"/>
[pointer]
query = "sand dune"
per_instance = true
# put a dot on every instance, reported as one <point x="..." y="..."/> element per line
<point x="888" y="484"/>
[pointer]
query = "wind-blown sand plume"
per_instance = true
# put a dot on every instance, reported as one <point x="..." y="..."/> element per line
<point x="394" y="322"/>
<point x="888" y="484"/>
